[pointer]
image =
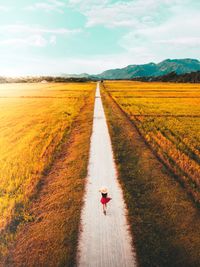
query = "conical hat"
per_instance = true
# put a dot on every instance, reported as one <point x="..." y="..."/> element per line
<point x="103" y="190"/>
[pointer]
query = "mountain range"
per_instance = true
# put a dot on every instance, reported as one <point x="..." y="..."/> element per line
<point x="179" y="66"/>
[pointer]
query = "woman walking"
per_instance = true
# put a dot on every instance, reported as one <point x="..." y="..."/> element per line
<point x="104" y="198"/>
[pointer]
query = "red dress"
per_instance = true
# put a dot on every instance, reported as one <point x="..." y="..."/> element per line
<point x="105" y="200"/>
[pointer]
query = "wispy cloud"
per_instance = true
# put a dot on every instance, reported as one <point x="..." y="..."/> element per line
<point x="35" y="29"/>
<point x="34" y="41"/>
<point x="48" y="6"/>
<point x="20" y="35"/>
<point x="185" y="41"/>
<point x="53" y="40"/>
<point x="175" y="38"/>
<point x="4" y="8"/>
<point x="135" y="14"/>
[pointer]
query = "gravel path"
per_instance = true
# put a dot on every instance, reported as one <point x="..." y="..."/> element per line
<point x="104" y="239"/>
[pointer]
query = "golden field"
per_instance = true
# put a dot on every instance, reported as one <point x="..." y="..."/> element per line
<point x="33" y="120"/>
<point x="168" y="118"/>
<point x="163" y="218"/>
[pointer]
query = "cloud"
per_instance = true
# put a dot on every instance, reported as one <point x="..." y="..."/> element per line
<point x="185" y="41"/>
<point x="53" y="40"/>
<point x="4" y="8"/>
<point x="87" y="4"/>
<point x="135" y="14"/>
<point x="177" y="37"/>
<point x="20" y="35"/>
<point x="31" y="41"/>
<point x="51" y="5"/>
<point x="35" y="29"/>
<point x="34" y="41"/>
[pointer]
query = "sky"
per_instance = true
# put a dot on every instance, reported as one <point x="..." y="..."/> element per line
<point x="51" y="37"/>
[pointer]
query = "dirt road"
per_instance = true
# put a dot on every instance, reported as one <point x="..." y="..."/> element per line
<point x="104" y="240"/>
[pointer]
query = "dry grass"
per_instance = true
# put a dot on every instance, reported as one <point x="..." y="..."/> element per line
<point x="165" y="222"/>
<point x="34" y="121"/>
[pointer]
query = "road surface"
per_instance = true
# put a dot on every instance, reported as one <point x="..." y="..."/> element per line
<point x="104" y="240"/>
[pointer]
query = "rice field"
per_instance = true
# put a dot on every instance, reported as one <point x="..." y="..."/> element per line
<point x="33" y="120"/>
<point x="168" y="118"/>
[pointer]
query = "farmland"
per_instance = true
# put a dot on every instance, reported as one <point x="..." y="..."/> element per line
<point x="35" y="120"/>
<point x="154" y="129"/>
<point x="168" y="118"/>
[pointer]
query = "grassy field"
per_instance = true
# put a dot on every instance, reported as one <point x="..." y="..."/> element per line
<point x="34" y="121"/>
<point x="168" y="117"/>
<point x="151" y="124"/>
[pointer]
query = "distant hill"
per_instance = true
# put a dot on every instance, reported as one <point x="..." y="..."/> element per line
<point x="193" y="77"/>
<point x="179" y="66"/>
<point x="82" y="75"/>
<point x="42" y="79"/>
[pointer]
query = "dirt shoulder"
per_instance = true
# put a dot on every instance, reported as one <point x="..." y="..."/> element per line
<point x="164" y="220"/>
<point x="51" y="238"/>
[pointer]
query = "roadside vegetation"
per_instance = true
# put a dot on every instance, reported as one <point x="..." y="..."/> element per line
<point x="154" y="131"/>
<point x="36" y="121"/>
